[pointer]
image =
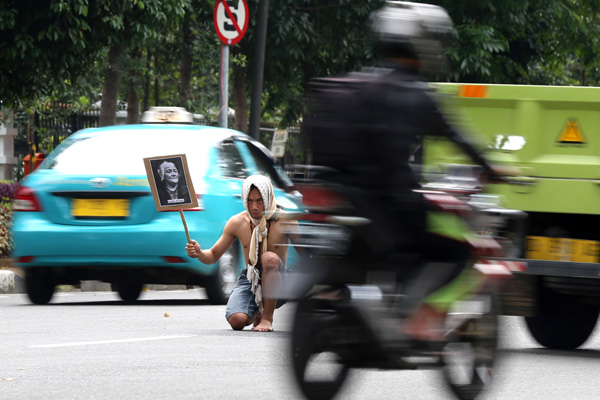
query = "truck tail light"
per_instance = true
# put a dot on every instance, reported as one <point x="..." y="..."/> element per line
<point x="26" y="200"/>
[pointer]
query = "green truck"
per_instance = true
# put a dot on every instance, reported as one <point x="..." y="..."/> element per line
<point x="552" y="134"/>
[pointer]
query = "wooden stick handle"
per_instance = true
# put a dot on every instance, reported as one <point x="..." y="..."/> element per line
<point x="185" y="226"/>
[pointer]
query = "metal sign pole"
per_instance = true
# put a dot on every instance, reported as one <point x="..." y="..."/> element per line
<point x="224" y="98"/>
<point x="231" y="23"/>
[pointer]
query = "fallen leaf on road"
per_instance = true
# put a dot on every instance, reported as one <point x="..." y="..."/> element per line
<point x="167" y="314"/>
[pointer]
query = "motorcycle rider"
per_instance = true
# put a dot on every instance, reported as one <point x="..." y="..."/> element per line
<point x="398" y="110"/>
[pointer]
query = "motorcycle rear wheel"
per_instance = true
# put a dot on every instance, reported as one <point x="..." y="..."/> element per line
<point x="469" y="357"/>
<point x="318" y="368"/>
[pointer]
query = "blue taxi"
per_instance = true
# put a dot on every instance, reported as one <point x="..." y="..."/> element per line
<point x="88" y="212"/>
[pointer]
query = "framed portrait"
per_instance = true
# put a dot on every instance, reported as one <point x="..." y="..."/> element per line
<point x="170" y="182"/>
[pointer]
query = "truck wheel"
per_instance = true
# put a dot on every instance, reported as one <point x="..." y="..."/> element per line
<point x="39" y="286"/>
<point x="219" y="286"/>
<point x="564" y="321"/>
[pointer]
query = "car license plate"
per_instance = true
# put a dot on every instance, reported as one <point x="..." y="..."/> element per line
<point x="562" y="249"/>
<point x="100" y="208"/>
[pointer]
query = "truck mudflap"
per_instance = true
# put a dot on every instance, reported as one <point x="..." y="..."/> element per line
<point x="562" y="268"/>
<point x="520" y="293"/>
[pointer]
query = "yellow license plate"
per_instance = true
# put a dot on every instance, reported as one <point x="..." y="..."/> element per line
<point x="562" y="249"/>
<point x="100" y="208"/>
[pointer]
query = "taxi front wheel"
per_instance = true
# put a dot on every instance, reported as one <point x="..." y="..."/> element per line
<point x="219" y="286"/>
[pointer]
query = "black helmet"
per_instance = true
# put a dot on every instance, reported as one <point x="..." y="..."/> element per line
<point x="403" y="29"/>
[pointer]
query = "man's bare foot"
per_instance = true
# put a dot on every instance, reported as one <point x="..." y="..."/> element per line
<point x="263" y="326"/>
<point x="257" y="319"/>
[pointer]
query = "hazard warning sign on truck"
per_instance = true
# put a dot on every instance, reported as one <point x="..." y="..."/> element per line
<point x="571" y="133"/>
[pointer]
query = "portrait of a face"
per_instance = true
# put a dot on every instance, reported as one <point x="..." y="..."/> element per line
<point x="170" y="183"/>
<point x="168" y="172"/>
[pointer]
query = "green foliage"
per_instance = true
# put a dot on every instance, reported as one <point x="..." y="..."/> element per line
<point x="55" y="51"/>
<point x="5" y="218"/>
<point x="158" y="60"/>
<point x="525" y="41"/>
<point x="44" y="45"/>
<point x="307" y="39"/>
<point x="206" y="61"/>
<point x="58" y="46"/>
<point x="7" y="191"/>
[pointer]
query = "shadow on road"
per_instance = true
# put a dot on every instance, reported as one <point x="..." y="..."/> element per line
<point x="542" y="351"/>
<point x="248" y="332"/>
<point x="154" y="302"/>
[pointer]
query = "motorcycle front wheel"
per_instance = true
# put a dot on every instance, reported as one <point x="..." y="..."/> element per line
<point x="318" y="367"/>
<point x="469" y="356"/>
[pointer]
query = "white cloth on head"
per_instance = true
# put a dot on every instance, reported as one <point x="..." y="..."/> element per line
<point x="260" y="232"/>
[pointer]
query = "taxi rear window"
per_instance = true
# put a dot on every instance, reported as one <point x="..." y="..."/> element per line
<point x="123" y="152"/>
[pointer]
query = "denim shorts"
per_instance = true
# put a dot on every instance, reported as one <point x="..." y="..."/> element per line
<point x="242" y="299"/>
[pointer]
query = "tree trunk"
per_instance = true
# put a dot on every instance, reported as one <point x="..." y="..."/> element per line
<point x="133" y="106"/>
<point x="110" y="91"/>
<point x="156" y="82"/>
<point x="186" y="63"/>
<point x="147" y="80"/>
<point x="156" y="85"/>
<point x="134" y="81"/>
<point x="240" y="99"/>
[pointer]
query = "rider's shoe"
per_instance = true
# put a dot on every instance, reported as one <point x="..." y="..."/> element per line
<point x="426" y="324"/>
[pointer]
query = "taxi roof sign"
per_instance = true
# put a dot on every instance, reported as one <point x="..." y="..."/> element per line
<point x="571" y="133"/>
<point x="163" y="115"/>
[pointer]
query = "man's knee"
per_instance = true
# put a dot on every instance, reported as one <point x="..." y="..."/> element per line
<point x="270" y="261"/>
<point x="238" y="321"/>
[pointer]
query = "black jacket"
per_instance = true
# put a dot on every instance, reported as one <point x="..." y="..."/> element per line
<point x="402" y="111"/>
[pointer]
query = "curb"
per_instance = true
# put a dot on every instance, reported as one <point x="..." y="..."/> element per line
<point x="11" y="282"/>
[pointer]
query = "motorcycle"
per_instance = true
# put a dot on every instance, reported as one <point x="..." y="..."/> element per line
<point x="351" y="303"/>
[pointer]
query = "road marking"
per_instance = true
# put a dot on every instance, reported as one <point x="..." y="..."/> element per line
<point x="110" y="341"/>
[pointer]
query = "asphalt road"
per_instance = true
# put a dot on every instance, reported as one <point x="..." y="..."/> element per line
<point x="174" y="345"/>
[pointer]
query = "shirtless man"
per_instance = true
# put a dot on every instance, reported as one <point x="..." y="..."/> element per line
<point x="255" y="295"/>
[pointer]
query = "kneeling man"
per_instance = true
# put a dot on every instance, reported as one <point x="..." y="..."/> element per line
<point x="264" y="244"/>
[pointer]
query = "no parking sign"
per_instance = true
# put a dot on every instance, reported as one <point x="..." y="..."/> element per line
<point x="231" y="20"/>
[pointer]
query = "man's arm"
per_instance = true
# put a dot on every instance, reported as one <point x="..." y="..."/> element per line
<point x="212" y="255"/>
<point x="455" y="136"/>
<point x="438" y="125"/>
